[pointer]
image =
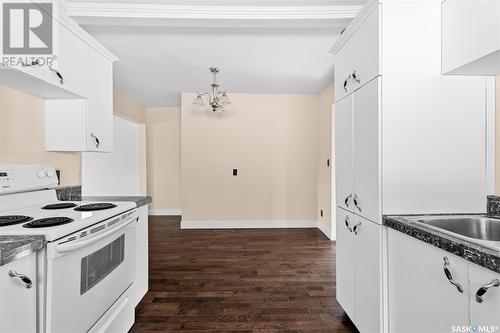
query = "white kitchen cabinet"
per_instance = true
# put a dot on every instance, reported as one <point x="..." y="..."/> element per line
<point x="100" y="104"/>
<point x="344" y="153"/>
<point x="421" y="298"/>
<point x="142" y="267"/>
<point x="471" y="37"/>
<point x="70" y="69"/>
<point x="357" y="62"/>
<point x="345" y="261"/>
<point x="18" y="304"/>
<point x="359" y="273"/>
<point x="366" y="154"/>
<point x="367" y="275"/>
<point x="83" y="124"/>
<point x="485" y="309"/>
<point x="408" y="140"/>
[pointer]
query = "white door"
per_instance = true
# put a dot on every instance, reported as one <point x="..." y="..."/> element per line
<point x="344" y="261"/>
<point x="421" y="298"/>
<point x="367" y="152"/>
<point x="17" y="302"/>
<point x="484" y="297"/>
<point x="71" y="68"/>
<point x="367" y="275"/>
<point x="343" y="153"/>
<point x="100" y="104"/>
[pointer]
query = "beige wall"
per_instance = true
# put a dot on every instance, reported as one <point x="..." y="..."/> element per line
<point x="326" y="101"/>
<point x="163" y="157"/>
<point x="127" y="108"/>
<point x="22" y="136"/>
<point x="271" y="139"/>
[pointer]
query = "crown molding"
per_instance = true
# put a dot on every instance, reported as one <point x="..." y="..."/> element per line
<point x="165" y="11"/>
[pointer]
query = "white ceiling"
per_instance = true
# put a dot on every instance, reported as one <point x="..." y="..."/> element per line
<point x="159" y="59"/>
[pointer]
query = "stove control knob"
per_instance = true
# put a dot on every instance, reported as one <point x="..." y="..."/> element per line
<point x="50" y="173"/>
<point x="41" y="173"/>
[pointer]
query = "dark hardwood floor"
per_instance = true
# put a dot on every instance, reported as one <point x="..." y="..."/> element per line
<point x="254" y="280"/>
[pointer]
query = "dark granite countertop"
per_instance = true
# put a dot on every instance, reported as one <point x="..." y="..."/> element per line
<point x="473" y="251"/>
<point x="74" y="193"/>
<point x="15" y="247"/>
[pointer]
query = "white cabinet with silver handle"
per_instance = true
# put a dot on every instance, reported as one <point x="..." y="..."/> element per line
<point x="18" y="300"/>
<point x="484" y="297"/>
<point x="359" y="282"/>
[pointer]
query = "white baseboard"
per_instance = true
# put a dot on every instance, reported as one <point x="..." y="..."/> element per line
<point x="325" y="230"/>
<point x="165" y="212"/>
<point x="247" y="224"/>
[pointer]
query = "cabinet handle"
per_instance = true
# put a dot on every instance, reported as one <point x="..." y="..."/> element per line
<point x="96" y="140"/>
<point x="355" y="199"/>
<point x="355" y="77"/>
<point x="346" y="201"/>
<point x="449" y="276"/>
<point x="33" y="63"/>
<point x="481" y="291"/>
<point x="24" y="278"/>
<point x="355" y="229"/>
<point x="347" y="223"/>
<point x="59" y="75"/>
<point x="345" y="84"/>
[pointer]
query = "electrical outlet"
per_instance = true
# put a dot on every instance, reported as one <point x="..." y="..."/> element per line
<point x="321" y="212"/>
<point x="235" y="172"/>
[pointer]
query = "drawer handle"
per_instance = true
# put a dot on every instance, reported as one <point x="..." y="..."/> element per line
<point x="355" y="229"/>
<point x="355" y="77"/>
<point x="347" y="223"/>
<point x="355" y="199"/>
<point x="481" y="291"/>
<point x="345" y="84"/>
<point x="346" y="201"/>
<point x="449" y="276"/>
<point x="33" y="63"/>
<point x="96" y="140"/>
<point x="59" y="75"/>
<point x="24" y="278"/>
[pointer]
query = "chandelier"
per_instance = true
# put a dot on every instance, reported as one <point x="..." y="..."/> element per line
<point x="217" y="99"/>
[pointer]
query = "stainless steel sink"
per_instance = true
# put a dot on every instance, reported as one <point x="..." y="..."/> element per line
<point x="478" y="227"/>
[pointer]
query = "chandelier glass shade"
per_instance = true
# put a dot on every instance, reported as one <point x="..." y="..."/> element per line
<point x="217" y="98"/>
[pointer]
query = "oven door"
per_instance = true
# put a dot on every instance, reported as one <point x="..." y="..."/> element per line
<point x="86" y="276"/>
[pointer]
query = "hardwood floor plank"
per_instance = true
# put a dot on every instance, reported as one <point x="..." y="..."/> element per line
<point x="249" y="280"/>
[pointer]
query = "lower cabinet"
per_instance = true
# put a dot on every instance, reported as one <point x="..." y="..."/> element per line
<point x="18" y="302"/>
<point x="359" y="270"/>
<point x="141" y="264"/>
<point x="431" y="290"/>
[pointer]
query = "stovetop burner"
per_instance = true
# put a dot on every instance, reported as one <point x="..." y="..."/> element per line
<point x="48" y="222"/>
<point x="13" y="219"/>
<point x="95" y="206"/>
<point x="61" y="205"/>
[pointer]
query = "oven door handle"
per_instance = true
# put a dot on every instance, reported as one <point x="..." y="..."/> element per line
<point x="62" y="248"/>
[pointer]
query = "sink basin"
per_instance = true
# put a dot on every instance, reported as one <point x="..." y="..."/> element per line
<point x="478" y="227"/>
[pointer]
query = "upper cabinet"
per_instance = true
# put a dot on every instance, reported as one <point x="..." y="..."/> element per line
<point x="471" y="37"/>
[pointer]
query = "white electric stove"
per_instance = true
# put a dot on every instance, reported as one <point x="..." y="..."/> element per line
<point x="87" y="268"/>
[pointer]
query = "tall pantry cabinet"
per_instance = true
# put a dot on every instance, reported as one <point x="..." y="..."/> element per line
<point x="408" y="140"/>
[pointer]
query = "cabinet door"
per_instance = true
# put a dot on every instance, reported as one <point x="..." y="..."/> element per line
<point x="343" y="153"/>
<point x="18" y="303"/>
<point x="367" y="151"/>
<point x="365" y="50"/>
<point x="72" y="63"/>
<point x="485" y="310"/>
<point x="421" y="298"/>
<point x="343" y="70"/>
<point x="100" y="104"/>
<point x="367" y="275"/>
<point x="344" y="261"/>
<point x="141" y="266"/>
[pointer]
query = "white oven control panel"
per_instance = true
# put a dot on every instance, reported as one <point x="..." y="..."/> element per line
<point x="21" y="178"/>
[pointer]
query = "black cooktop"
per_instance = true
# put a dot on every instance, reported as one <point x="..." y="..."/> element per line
<point x="13" y="219"/>
<point x="95" y="206"/>
<point x="62" y="205"/>
<point x="48" y="222"/>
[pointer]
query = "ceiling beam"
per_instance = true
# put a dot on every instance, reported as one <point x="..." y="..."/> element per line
<point x="90" y="11"/>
